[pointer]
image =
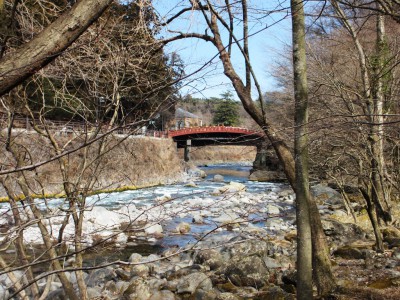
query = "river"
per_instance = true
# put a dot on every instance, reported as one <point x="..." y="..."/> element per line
<point x="259" y="207"/>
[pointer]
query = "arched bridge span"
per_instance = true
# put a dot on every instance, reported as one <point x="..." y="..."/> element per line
<point x="215" y="135"/>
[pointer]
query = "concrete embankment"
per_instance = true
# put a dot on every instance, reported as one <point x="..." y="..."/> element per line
<point x="221" y="154"/>
<point x="109" y="164"/>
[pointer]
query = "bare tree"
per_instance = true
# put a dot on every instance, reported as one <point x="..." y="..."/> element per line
<point x="220" y="18"/>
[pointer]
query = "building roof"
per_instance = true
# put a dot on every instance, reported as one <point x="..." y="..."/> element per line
<point x="181" y="113"/>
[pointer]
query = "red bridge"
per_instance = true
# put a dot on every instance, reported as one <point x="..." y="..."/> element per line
<point x="215" y="135"/>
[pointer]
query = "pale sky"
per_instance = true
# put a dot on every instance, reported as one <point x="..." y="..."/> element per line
<point x="265" y="47"/>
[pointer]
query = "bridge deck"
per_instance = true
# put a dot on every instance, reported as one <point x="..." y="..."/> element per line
<point x="215" y="135"/>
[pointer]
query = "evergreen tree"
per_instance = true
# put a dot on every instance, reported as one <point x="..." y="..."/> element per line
<point x="227" y="112"/>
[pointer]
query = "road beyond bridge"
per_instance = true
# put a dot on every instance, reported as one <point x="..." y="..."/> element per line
<point x="214" y="135"/>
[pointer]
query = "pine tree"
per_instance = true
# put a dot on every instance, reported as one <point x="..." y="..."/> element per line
<point x="227" y="113"/>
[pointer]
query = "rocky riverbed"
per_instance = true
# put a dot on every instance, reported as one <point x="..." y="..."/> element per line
<point x="220" y="243"/>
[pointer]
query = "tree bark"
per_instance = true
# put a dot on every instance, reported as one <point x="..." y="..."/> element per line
<point x="17" y="66"/>
<point x="304" y="245"/>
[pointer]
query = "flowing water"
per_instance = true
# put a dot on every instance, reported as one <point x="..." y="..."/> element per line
<point x="144" y="198"/>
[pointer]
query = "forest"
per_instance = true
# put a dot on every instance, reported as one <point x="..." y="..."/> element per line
<point x="334" y="117"/>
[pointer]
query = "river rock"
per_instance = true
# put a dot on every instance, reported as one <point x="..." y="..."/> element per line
<point x="103" y="217"/>
<point x="349" y="252"/>
<point x="191" y="184"/>
<point x="209" y="257"/>
<point x="138" y="289"/>
<point x="100" y="276"/>
<point x="192" y="282"/>
<point x="273" y="209"/>
<point x="135" y="258"/>
<point x="94" y="292"/>
<point x="247" y="271"/>
<point x="196" y="172"/>
<point x="163" y="295"/>
<point x="155" y="229"/>
<point x="342" y="233"/>
<point x="183" y="228"/>
<point x="197" y="219"/>
<point x="228" y="217"/>
<point x="218" y="178"/>
<point x="140" y="270"/>
<point x="325" y="195"/>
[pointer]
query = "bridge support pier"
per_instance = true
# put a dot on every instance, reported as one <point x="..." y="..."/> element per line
<point x="266" y="166"/>
<point x="186" y="153"/>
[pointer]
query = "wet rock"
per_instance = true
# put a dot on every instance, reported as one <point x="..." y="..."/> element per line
<point x="192" y="282"/>
<point x="218" y="178"/>
<point x="247" y="271"/>
<point x="163" y="199"/>
<point x="232" y="187"/>
<point x="183" y="228"/>
<point x="191" y="184"/>
<point x="197" y="219"/>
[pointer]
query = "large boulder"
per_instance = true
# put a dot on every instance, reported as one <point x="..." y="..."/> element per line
<point x="342" y="233"/>
<point x="325" y="195"/>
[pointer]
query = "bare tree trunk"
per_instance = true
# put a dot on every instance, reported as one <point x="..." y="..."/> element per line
<point x="49" y="44"/>
<point x="376" y="127"/>
<point x="304" y="245"/>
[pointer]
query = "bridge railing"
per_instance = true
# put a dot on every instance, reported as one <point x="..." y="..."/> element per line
<point x="210" y="129"/>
